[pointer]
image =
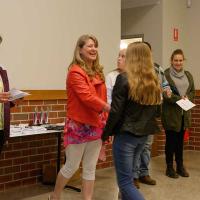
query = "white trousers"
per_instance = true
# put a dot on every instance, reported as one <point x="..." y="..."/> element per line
<point x="88" y="153"/>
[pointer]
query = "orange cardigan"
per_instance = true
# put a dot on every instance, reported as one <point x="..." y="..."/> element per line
<point x="86" y="97"/>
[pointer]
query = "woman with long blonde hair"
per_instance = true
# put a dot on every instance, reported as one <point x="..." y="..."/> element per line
<point x="135" y="100"/>
<point x="143" y="81"/>
<point x="86" y="106"/>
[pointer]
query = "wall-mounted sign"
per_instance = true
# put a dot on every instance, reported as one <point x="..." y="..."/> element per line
<point x="175" y="34"/>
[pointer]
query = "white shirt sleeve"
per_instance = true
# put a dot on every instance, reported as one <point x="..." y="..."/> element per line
<point x="110" y="82"/>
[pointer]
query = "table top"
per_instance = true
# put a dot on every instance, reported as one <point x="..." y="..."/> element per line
<point x="18" y="131"/>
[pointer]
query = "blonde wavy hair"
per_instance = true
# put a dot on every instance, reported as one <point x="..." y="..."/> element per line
<point x="78" y="60"/>
<point x="143" y="81"/>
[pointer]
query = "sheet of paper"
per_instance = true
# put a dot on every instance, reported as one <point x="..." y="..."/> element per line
<point x="17" y="94"/>
<point x="185" y="104"/>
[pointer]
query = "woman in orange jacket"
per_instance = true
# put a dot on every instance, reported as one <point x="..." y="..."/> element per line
<point x="86" y="107"/>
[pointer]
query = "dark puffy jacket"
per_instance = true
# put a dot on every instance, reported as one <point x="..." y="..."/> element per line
<point x="128" y="116"/>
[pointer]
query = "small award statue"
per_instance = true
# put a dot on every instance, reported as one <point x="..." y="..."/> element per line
<point x="35" y="117"/>
<point x="41" y="121"/>
<point x="46" y="117"/>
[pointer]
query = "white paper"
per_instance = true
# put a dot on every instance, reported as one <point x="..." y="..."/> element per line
<point x="185" y="104"/>
<point x="17" y="94"/>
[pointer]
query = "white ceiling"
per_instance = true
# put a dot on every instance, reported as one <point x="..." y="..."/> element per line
<point x="137" y="3"/>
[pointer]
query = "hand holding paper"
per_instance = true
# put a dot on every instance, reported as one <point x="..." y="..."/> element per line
<point x="4" y="97"/>
<point x="17" y="94"/>
<point x="185" y="104"/>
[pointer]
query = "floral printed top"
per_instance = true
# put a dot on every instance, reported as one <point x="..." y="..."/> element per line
<point x="77" y="133"/>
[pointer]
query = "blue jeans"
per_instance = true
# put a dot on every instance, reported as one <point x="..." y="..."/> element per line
<point x="142" y="166"/>
<point x="126" y="151"/>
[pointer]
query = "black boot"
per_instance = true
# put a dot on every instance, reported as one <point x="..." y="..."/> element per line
<point x="170" y="172"/>
<point x="182" y="171"/>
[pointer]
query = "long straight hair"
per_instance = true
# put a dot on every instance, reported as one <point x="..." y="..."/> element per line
<point x="144" y="86"/>
<point x="77" y="59"/>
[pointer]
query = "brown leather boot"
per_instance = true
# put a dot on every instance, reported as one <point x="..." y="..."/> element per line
<point x="147" y="180"/>
<point x="182" y="171"/>
<point x="136" y="183"/>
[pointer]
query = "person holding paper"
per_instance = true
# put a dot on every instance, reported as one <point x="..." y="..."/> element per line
<point x="175" y="120"/>
<point x="5" y="103"/>
<point x="4" y="106"/>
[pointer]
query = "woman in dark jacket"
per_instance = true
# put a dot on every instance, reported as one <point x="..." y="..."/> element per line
<point x="175" y="120"/>
<point x="135" y="98"/>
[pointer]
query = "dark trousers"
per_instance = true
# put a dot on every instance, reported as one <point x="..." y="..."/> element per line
<point x="174" y="146"/>
<point x="2" y="139"/>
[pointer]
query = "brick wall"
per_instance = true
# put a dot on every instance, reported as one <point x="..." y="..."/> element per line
<point x="22" y="159"/>
<point x="24" y="112"/>
<point x="194" y="142"/>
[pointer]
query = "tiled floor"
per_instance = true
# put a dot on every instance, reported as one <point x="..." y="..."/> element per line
<point x="106" y="189"/>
